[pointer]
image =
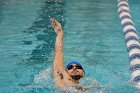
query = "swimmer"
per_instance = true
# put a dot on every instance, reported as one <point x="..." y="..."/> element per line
<point x="69" y="76"/>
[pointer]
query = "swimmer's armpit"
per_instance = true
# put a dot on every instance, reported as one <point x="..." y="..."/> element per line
<point x="60" y="75"/>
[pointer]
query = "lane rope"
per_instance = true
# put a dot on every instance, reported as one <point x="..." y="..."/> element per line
<point x="132" y="41"/>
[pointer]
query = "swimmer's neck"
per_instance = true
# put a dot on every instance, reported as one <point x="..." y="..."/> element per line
<point x="74" y="81"/>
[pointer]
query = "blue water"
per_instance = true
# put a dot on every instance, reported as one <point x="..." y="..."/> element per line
<point x="93" y="36"/>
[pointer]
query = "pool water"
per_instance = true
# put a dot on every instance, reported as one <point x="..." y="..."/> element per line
<point x="93" y="36"/>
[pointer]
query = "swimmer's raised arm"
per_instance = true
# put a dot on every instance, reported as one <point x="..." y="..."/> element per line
<point x="58" y="64"/>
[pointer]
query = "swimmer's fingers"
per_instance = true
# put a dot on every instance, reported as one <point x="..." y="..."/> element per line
<point x="56" y="25"/>
<point x="53" y="21"/>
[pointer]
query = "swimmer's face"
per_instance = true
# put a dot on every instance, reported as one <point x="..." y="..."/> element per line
<point x="74" y="70"/>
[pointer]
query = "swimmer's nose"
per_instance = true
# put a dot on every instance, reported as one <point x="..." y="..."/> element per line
<point x="74" y="68"/>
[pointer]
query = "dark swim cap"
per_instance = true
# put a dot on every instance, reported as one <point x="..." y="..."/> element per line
<point x="74" y="62"/>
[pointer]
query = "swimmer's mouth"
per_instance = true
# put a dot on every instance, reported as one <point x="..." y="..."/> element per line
<point x="75" y="72"/>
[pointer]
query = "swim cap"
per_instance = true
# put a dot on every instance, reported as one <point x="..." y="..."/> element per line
<point x="74" y="62"/>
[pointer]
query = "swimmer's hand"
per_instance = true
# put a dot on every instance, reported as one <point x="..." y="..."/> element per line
<point x="57" y="26"/>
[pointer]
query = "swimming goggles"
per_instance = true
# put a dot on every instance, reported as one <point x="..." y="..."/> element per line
<point x="72" y="66"/>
